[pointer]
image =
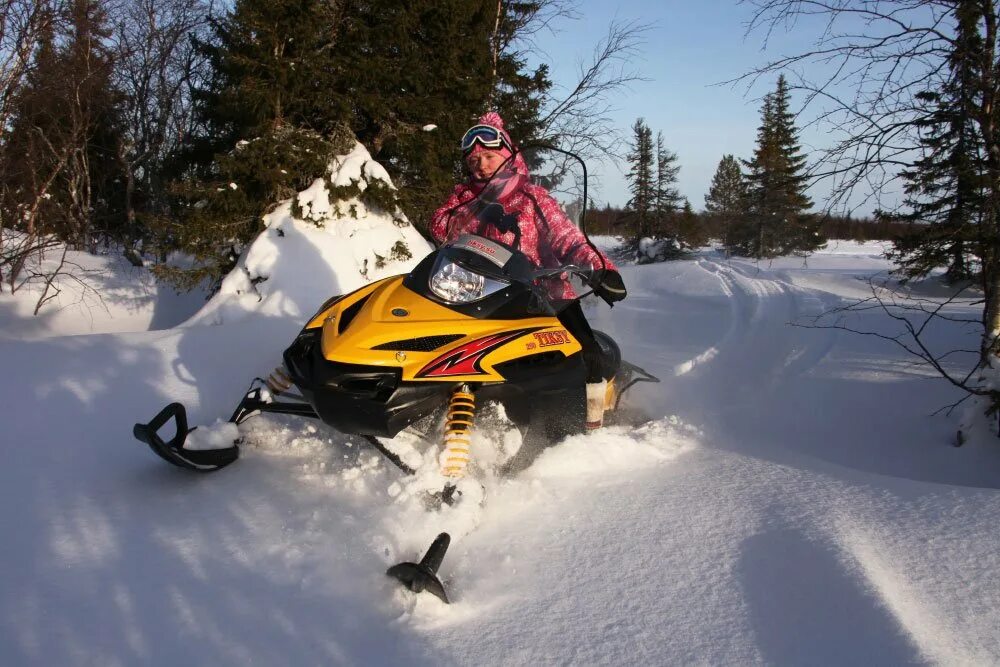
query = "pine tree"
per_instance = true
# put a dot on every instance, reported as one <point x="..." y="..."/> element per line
<point x="726" y="200"/>
<point x="778" y="223"/>
<point x="642" y="181"/>
<point x="946" y="187"/>
<point x="666" y="198"/>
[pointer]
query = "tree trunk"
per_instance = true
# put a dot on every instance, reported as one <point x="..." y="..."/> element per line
<point x="989" y="241"/>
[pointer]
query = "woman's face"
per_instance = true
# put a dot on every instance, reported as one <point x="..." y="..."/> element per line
<point x="484" y="163"/>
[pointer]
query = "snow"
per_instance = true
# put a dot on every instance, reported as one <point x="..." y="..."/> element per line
<point x="334" y="248"/>
<point x="94" y="294"/>
<point x="791" y="500"/>
<point x="219" y="435"/>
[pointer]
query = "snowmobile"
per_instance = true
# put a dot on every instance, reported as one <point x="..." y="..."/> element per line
<point x="472" y="323"/>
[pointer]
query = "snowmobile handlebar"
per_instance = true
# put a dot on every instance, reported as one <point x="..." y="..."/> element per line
<point x="586" y="274"/>
<point x="590" y="276"/>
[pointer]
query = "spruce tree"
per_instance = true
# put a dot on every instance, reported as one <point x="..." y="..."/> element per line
<point x="290" y="73"/>
<point x="518" y="90"/>
<point x="690" y="228"/>
<point x="404" y="66"/>
<point x="642" y="180"/>
<point x="271" y="65"/>
<point x="726" y="200"/>
<point x="666" y="198"/>
<point x="946" y="188"/>
<point x="270" y="125"/>
<point x="778" y="223"/>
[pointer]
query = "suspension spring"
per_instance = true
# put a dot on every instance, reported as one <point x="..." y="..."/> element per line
<point x="278" y="381"/>
<point x="458" y="432"/>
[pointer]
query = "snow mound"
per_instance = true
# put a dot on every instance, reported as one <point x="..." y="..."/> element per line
<point x="615" y="448"/>
<point x="313" y="248"/>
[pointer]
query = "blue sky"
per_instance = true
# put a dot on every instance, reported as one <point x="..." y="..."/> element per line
<point x="692" y="48"/>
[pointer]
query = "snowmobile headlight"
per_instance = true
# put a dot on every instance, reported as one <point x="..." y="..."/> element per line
<point x="457" y="284"/>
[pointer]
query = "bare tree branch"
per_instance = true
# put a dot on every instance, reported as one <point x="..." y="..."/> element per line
<point x="870" y="60"/>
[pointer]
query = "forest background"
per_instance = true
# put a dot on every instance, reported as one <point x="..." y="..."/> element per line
<point x="156" y="128"/>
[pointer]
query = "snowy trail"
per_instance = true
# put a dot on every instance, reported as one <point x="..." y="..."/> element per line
<point x="735" y="388"/>
<point x="790" y="503"/>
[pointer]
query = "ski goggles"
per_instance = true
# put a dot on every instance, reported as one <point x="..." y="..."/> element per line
<point x="487" y="136"/>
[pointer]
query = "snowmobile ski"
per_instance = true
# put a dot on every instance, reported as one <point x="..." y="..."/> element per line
<point x="422" y="576"/>
<point x="210" y="460"/>
<point x="173" y="451"/>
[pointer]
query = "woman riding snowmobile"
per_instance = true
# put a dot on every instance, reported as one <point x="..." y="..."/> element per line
<point x="500" y="203"/>
<point x="487" y="317"/>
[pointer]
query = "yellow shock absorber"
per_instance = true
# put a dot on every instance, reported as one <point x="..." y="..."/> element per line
<point x="458" y="432"/>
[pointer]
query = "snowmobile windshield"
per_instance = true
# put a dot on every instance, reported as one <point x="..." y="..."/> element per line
<point x="490" y="278"/>
<point x="527" y="203"/>
<point x="562" y="175"/>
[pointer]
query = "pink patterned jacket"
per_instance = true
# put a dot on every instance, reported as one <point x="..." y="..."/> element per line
<point x="548" y="237"/>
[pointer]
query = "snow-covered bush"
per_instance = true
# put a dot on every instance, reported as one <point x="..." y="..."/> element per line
<point x="649" y="250"/>
<point x="328" y="239"/>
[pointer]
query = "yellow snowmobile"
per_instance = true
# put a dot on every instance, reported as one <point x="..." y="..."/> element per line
<point x="471" y="324"/>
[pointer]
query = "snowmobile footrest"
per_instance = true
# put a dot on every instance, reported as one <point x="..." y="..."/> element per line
<point x="422" y="576"/>
<point x="173" y="451"/>
<point x="633" y="375"/>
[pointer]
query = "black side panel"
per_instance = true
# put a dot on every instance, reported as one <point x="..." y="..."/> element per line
<point x="361" y="400"/>
<point x="532" y="368"/>
<point x="544" y="416"/>
<point x="611" y="354"/>
<point x="545" y="397"/>
<point x="300" y="357"/>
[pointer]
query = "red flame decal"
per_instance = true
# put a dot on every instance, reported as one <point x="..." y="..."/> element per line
<point x="465" y="360"/>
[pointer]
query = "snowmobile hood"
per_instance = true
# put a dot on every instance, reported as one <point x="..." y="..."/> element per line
<point x="397" y="304"/>
<point x="388" y="325"/>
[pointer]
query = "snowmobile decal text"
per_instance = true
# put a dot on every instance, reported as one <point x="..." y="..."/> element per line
<point x="467" y="359"/>
<point x="546" y="338"/>
<point x="494" y="252"/>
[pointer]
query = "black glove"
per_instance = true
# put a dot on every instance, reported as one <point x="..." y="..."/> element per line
<point x="612" y="287"/>
<point x="495" y="214"/>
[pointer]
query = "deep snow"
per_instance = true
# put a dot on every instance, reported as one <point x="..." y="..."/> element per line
<point x="791" y="501"/>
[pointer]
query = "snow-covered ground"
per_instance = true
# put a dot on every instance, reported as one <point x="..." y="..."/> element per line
<point x="792" y="500"/>
<point x="91" y="294"/>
